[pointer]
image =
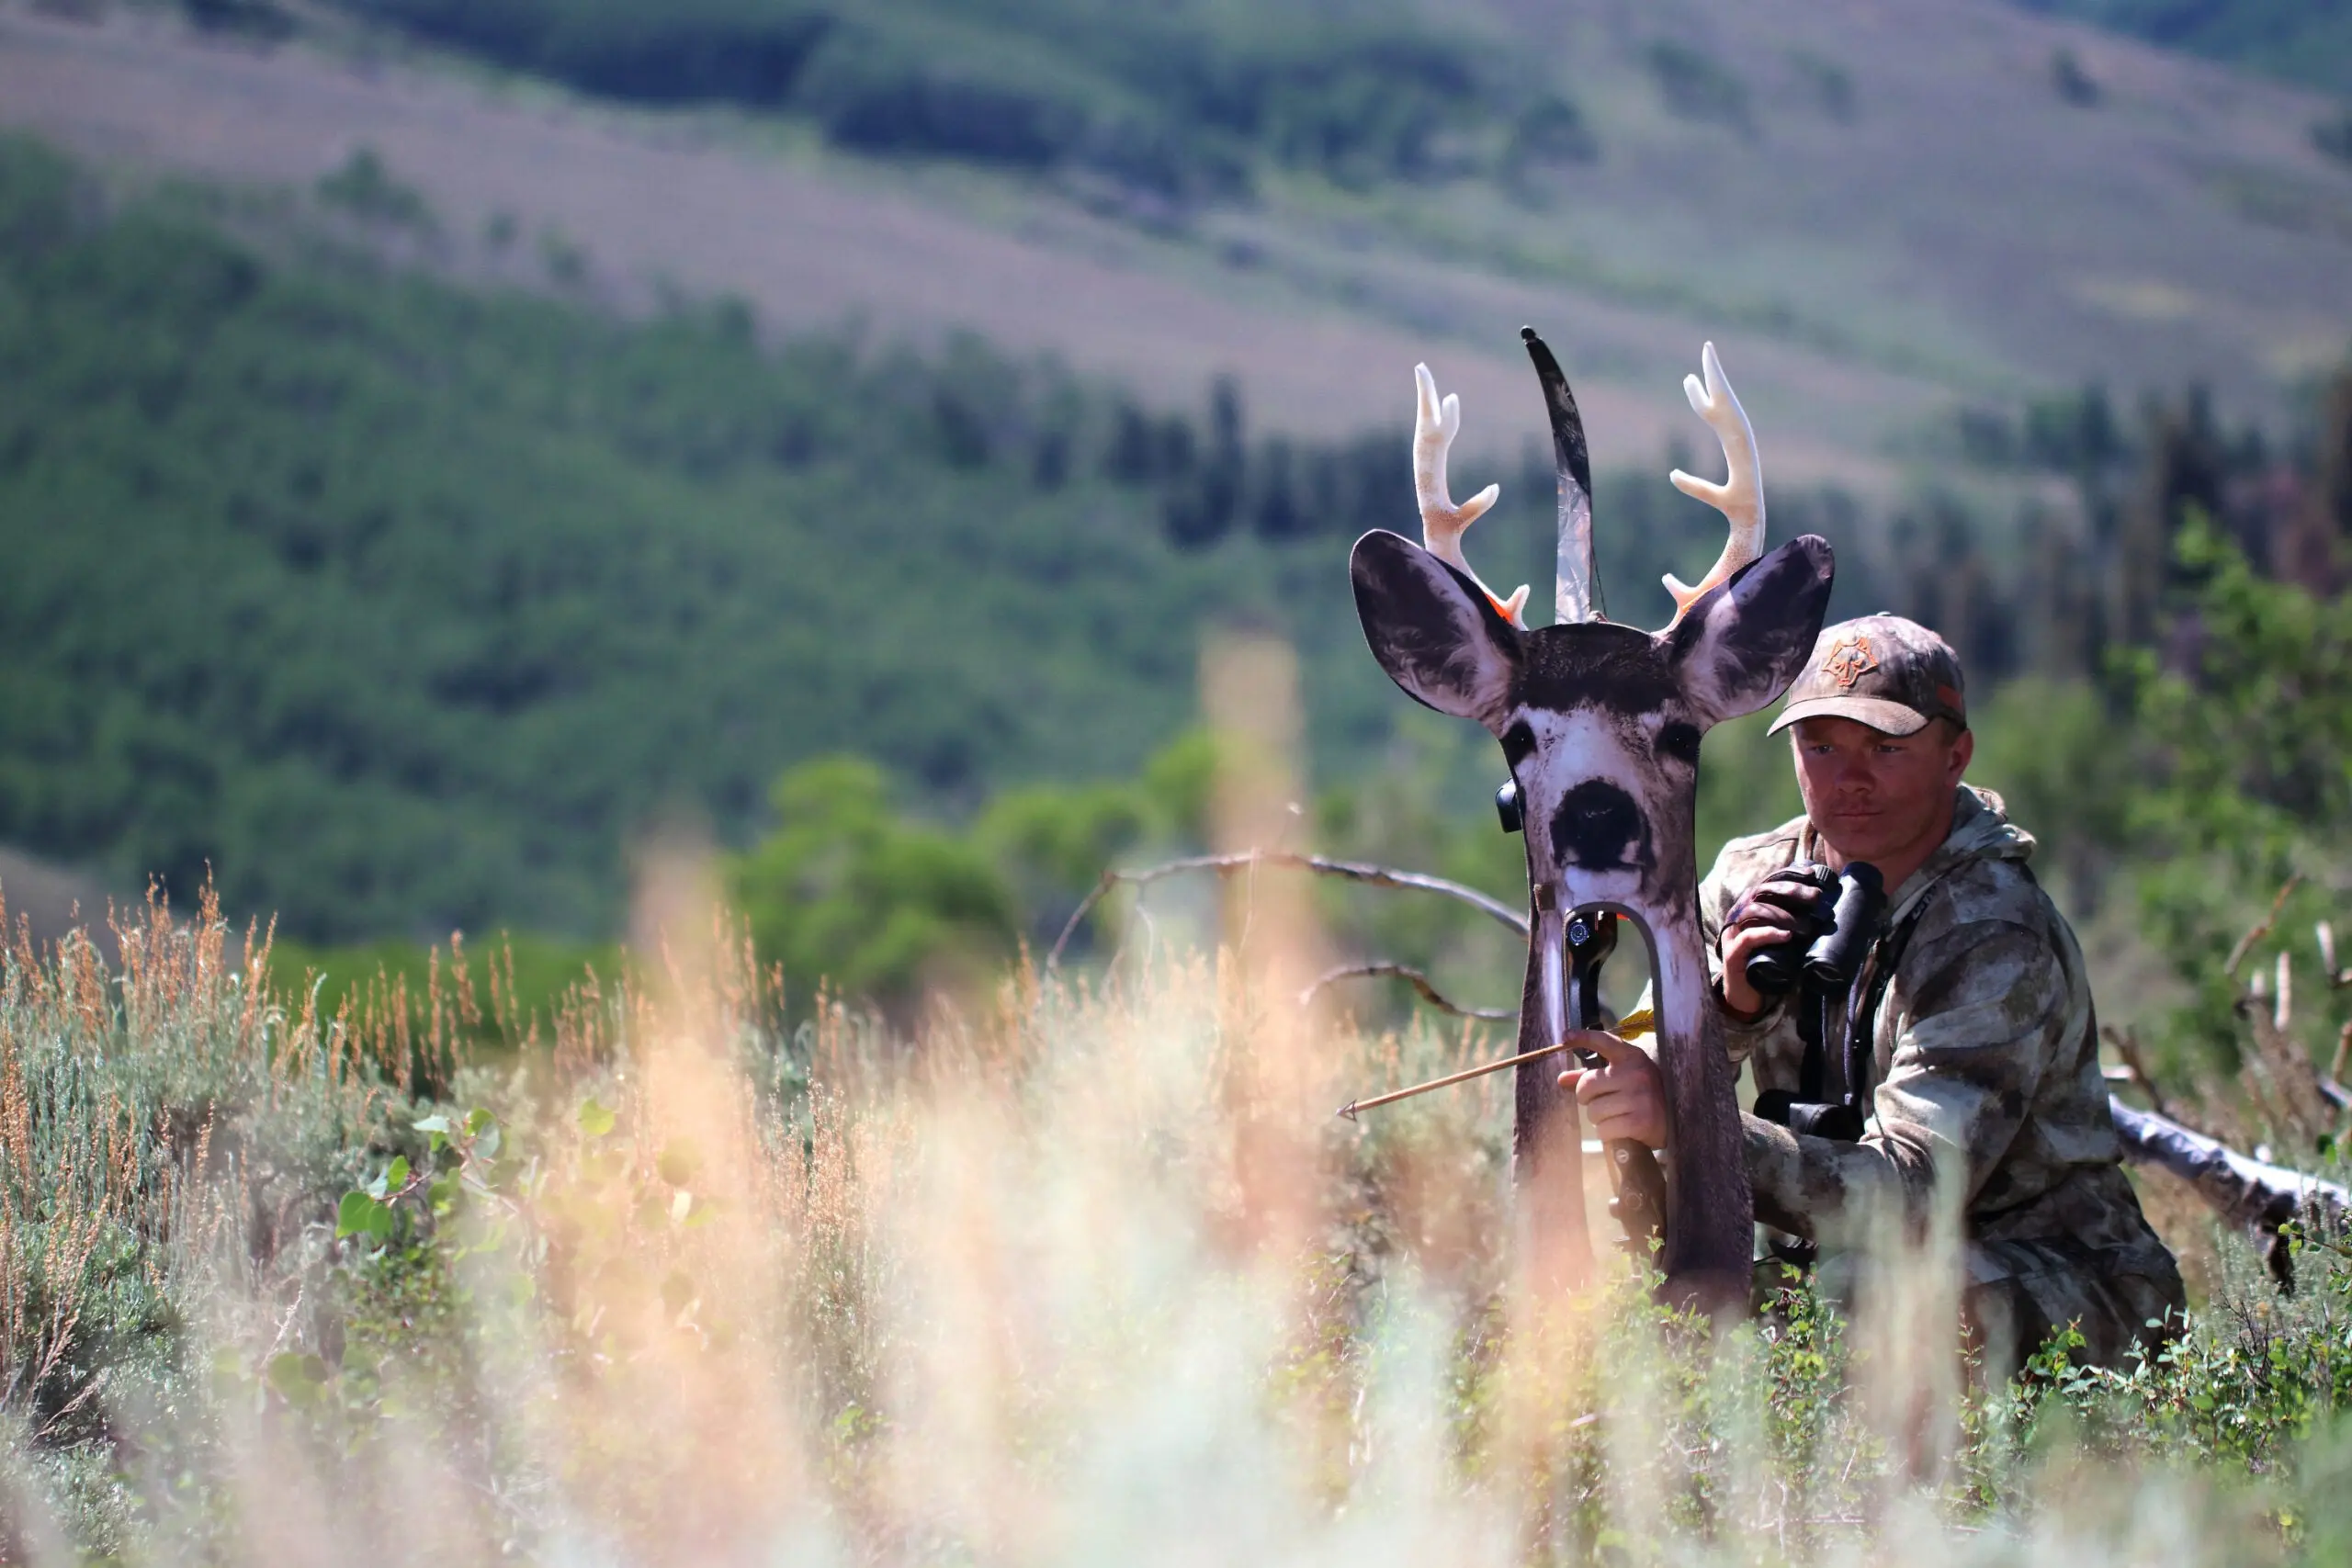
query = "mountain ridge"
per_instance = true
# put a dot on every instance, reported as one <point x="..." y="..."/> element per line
<point x="2183" y="230"/>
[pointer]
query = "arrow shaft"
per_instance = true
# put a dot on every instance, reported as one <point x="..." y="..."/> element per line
<point x="1465" y="1076"/>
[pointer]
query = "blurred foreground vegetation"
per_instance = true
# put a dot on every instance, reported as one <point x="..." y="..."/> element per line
<point x="1075" y="1273"/>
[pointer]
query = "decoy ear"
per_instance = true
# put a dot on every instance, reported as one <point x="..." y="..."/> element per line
<point x="1433" y="630"/>
<point x="1739" y="645"/>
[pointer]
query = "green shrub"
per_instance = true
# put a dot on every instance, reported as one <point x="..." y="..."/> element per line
<point x="364" y="188"/>
<point x="845" y="891"/>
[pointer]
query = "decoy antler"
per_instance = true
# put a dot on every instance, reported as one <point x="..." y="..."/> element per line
<point x="1435" y="423"/>
<point x="1740" y="497"/>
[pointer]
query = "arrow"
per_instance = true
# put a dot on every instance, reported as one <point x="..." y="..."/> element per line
<point x="1634" y="1024"/>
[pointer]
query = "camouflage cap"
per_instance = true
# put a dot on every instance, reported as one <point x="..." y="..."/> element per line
<point x="1891" y="675"/>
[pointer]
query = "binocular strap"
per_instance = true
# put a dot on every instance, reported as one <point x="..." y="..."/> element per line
<point x="1861" y="1021"/>
<point x="1861" y="1016"/>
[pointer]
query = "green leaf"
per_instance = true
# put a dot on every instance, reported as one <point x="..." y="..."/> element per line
<point x="482" y="1128"/>
<point x="297" y="1377"/>
<point x="362" y="1214"/>
<point x="679" y="1162"/>
<point x="596" y="1119"/>
<point x="396" y="1174"/>
<point x="442" y="1195"/>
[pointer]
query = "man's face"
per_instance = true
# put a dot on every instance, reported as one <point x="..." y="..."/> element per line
<point x="1875" y="796"/>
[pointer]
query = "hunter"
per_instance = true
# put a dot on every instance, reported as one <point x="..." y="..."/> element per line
<point x="1982" y="1063"/>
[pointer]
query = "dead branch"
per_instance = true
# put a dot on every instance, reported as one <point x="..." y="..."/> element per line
<point x="1286" y="860"/>
<point x="2337" y="978"/>
<point x="2279" y="1066"/>
<point x="1411" y="976"/>
<point x="2279" y="1073"/>
<point x="2126" y="1046"/>
<point x="2262" y="928"/>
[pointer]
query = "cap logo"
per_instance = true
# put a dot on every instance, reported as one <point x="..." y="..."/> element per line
<point x="1848" y="661"/>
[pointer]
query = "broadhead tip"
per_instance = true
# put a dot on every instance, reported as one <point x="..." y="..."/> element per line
<point x="1348" y="1111"/>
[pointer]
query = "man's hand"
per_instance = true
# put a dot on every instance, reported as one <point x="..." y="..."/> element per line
<point x="1792" y="904"/>
<point x="1623" y="1099"/>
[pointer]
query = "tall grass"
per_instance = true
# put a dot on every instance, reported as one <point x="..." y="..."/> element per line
<point x="1080" y="1271"/>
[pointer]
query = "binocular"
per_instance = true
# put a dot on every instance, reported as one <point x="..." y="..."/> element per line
<point x="1827" y="965"/>
<point x="1834" y="956"/>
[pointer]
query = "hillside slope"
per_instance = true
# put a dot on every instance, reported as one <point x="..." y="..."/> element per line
<point x="402" y="607"/>
<point x="1902" y="209"/>
<point x="2298" y="41"/>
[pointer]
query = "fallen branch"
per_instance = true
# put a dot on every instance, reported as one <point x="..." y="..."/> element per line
<point x="1410" y="975"/>
<point x="2240" y="1188"/>
<point x="1284" y="859"/>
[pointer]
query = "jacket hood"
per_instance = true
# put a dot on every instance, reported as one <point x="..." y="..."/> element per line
<point x="1981" y="829"/>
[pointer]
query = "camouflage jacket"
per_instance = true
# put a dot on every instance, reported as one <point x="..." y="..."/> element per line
<point x="1985" y="1066"/>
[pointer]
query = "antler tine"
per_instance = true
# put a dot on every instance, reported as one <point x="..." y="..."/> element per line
<point x="1740" y="497"/>
<point x="1435" y="423"/>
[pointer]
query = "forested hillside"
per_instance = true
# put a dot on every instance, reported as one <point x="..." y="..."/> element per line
<point x="403" y="607"/>
<point x="1184" y="102"/>
<point x="2302" y="41"/>
<point x="400" y="606"/>
<point x="1201" y="101"/>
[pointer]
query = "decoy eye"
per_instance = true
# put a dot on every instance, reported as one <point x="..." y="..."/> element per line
<point x="1679" y="741"/>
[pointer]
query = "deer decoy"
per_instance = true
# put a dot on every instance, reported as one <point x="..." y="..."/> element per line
<point x="1601" y="724"/>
